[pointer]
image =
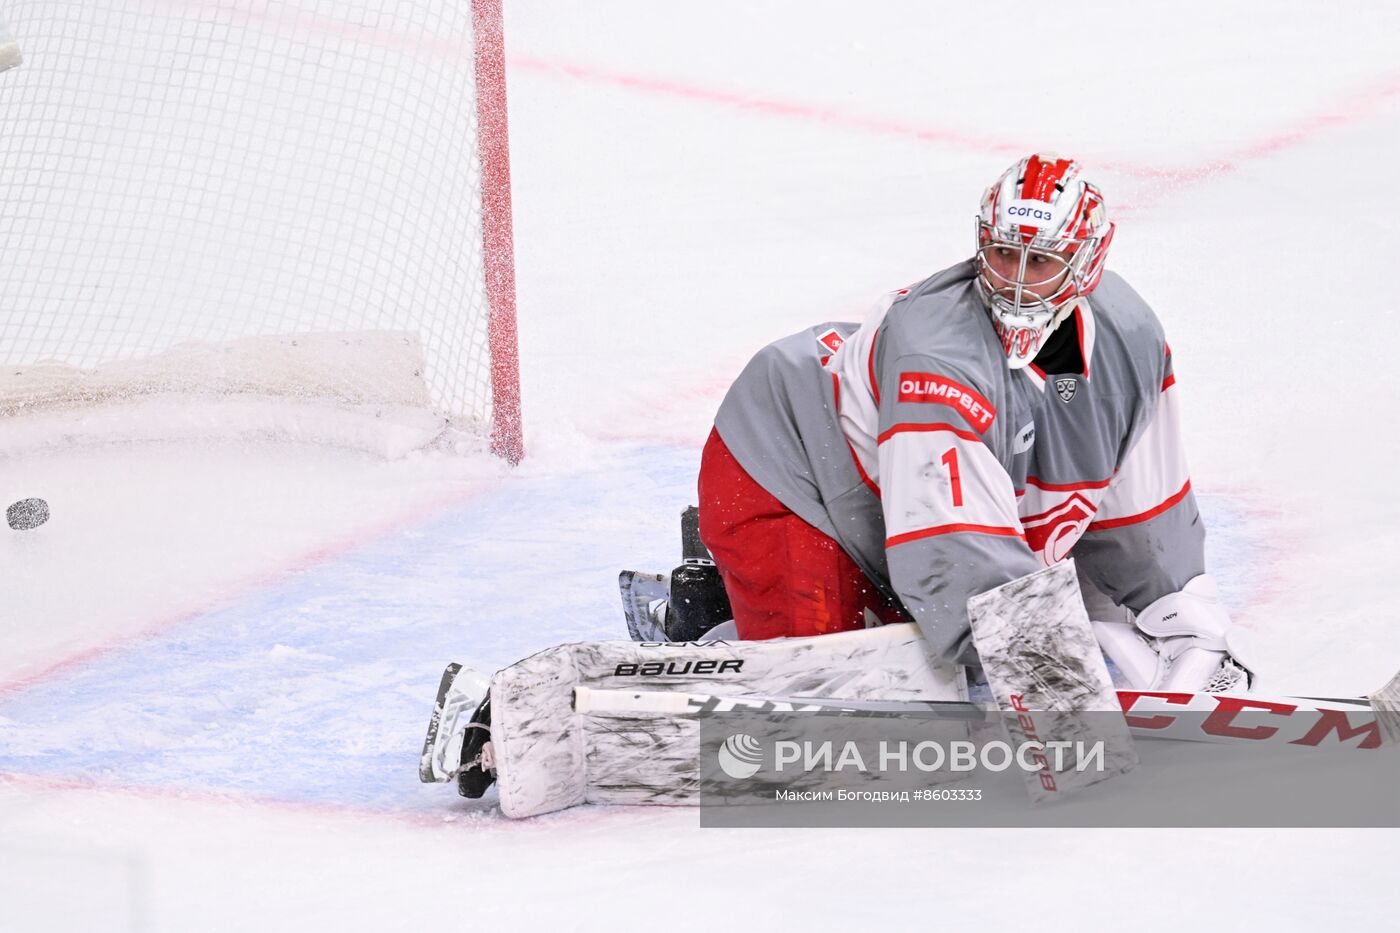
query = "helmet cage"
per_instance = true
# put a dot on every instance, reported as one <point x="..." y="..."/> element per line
<point x="1039" y="209"/>
<point x="1007" y="262"/>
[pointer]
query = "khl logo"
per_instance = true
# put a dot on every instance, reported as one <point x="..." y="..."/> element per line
<point x="740" y="756"/>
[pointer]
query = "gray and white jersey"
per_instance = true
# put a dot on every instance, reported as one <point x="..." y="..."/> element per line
<point x="944" y="473"/>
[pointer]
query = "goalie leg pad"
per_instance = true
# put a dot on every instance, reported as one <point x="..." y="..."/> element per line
<point x="1386" y="700"/>
<point x="548" y="756"/>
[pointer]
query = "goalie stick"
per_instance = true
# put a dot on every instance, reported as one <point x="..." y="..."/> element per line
<point x="1367" y="722"/>
<point x="1361" y="723"/>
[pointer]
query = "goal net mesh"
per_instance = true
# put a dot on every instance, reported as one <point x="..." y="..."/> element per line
<point x="281" y="197"/>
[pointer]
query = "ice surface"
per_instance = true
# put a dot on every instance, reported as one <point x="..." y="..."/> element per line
<point x="218" y="660"/>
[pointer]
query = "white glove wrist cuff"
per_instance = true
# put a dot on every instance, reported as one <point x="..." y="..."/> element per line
<point x="1194" y="611"/>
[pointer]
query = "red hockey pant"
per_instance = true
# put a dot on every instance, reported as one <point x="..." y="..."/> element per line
<point x="783" y="576"/>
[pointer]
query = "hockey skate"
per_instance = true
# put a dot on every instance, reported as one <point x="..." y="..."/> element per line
<point x="645" y="604"/>
<point x="459" y="746"/>
<point x="476" y="765"/>
<point x="682" y="605"/>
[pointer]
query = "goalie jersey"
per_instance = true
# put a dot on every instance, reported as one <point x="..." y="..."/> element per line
<point x="944" y="473"/>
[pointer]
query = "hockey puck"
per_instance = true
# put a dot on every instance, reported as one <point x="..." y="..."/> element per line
<point x="27" y="513"/>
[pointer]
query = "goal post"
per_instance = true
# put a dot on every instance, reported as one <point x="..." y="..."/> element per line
<point x="498" y="234"/>
<point x="293" y="204"/>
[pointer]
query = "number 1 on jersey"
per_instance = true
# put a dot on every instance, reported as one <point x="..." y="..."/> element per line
<point x="950" y="460"/>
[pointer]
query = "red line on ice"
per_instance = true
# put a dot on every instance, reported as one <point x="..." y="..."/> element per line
<point x="1348" y="109"/>
<point x="764" y="105"/>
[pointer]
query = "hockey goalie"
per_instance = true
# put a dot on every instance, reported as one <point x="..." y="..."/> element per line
<point x="869" y="491"/>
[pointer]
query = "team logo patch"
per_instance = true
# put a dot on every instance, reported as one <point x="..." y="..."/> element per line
<point x="1066" y="387"/>
<point x="1052" y="534"/>
<point x="940" y="390"/>
<point x="831" y="339"/>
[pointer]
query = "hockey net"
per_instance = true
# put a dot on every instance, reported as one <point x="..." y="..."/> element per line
<point x="286" y="217"/>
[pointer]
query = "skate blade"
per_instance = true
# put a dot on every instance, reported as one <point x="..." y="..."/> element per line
<point x="461" y="690"/>
<point x="425" y="761"/>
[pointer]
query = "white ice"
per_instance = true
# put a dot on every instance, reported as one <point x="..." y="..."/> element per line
<point x="218" y="659"/>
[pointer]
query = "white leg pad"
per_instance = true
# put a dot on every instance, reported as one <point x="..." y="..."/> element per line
<point x="549" y="757"/>
<point x="1386" y="701"/>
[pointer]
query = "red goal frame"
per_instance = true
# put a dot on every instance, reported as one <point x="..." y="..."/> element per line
<point x="493" y="142"/>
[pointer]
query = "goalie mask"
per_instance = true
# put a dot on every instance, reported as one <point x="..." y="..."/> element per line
<point x="1042" y="236"/>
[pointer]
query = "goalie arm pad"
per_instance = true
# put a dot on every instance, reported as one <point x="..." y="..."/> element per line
<point x="1147" y="539"/>
<point x="951" y="522"/>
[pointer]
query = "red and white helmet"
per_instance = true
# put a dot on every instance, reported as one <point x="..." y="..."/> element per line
<point x="1042" y="236"/>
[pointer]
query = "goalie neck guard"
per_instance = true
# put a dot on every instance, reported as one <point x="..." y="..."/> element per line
<point x="1042" y="235"/>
